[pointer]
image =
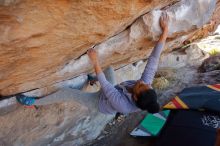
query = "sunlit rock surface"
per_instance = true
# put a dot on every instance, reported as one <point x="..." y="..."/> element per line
<point x="73" y="124"/>
<point x="43" y="42"/>
<point x="43" y="45"/>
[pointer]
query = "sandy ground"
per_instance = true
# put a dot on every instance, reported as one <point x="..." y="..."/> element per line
<point x="117" y="133"/>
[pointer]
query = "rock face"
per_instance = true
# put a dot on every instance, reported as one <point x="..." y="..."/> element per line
<point x="211" y="64"/>
<point x="43" y="43"/>
<point x="70" y="124"/>
<point x="39" y="38"/>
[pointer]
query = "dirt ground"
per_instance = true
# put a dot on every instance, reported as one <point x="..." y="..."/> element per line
<point x="117" y="132"/>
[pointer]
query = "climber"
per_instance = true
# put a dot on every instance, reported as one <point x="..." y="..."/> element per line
<point x="126" y="97"/>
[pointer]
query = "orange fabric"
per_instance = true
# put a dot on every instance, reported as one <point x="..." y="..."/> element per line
<point x="215" y="87"/>
<point x="176" y="103"/>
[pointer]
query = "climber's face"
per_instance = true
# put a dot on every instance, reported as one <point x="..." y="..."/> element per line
<point x="139" y="87"/>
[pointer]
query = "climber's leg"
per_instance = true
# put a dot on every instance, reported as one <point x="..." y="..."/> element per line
<point x="110" y="75"/>
<point x="79" y="83"/>
<point x="67" y="94"/>
<point x="89" y="100"/>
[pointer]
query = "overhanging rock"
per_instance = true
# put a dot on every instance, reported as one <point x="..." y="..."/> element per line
<point x="43" y="43"/>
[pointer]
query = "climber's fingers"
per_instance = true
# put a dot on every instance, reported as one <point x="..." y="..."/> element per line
<point x="91" y="51"/>
<point x="92" y="55"/>
<point x="164" y="19"/>
<point x="165" y="16"/>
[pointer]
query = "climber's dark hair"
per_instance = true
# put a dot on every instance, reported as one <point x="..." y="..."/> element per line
<point x="147" y="100"/>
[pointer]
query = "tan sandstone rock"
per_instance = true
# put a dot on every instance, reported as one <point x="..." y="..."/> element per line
<point x="43" y="45"/>
<point x="39" y="37"/>
<point x="43" y="42"/>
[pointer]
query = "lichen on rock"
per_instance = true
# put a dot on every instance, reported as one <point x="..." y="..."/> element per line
<point x="160" y="83"/>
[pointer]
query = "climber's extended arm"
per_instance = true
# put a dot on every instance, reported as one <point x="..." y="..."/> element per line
<point x="108" y="89"/>
<point x="153" y="61"/>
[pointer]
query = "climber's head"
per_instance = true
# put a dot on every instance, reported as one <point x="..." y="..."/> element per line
<point x="145" y="97"/>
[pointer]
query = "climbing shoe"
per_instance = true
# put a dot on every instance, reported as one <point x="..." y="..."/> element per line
<point x="24" y="100"/>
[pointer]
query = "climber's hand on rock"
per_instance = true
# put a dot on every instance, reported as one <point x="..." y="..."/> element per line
<point x="94" y="59"/>
<point x="93" y="56"/>
<point x="164" y="20"/>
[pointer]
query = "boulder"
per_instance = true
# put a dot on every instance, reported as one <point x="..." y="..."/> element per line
<point x="43" y="45"/>
<point x="44" y="42"/>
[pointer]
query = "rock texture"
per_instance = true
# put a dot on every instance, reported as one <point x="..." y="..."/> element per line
<point x="67" y="123"/>
<point x="43" y="42"/>
<point x="71" y="124"/>
<point x="211" y="64"/>
<point x="43" y="45"/>
<point x="39" y="37"/>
